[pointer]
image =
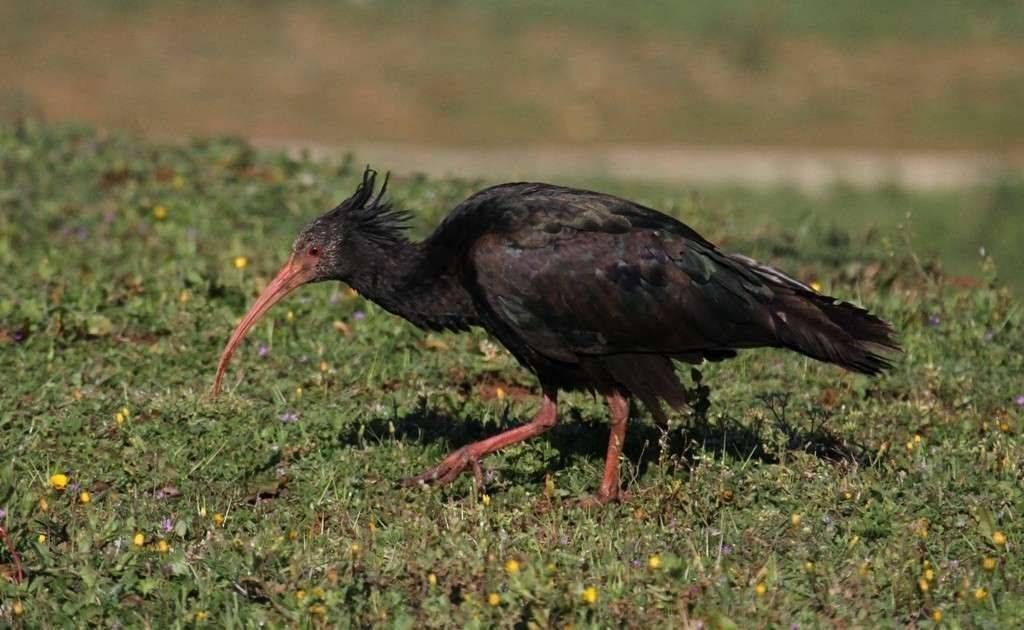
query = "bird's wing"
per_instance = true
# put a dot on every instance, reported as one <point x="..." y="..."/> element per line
<point x="577" y="273"/>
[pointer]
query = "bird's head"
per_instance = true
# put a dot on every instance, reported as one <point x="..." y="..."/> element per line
<point x="329" y="248"/>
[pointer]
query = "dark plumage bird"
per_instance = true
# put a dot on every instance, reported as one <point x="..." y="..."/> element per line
<point x="588" y="291"/>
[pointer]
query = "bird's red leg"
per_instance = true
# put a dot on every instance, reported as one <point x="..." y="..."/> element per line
<point x="469" y="455"/>
<point x="609" y="489"/>
<point x="18" y="575"/>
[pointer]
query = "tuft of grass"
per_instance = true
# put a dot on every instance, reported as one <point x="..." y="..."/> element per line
<point x="793" y="493"/>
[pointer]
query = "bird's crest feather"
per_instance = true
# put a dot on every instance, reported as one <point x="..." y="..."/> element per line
<point x="371" y="216"/>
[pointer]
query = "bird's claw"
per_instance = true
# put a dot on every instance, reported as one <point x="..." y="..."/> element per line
<point x="592" y="501"/>
<point x="449" y="469"/>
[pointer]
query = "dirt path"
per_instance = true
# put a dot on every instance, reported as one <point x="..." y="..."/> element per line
<point x="808" y="170"/>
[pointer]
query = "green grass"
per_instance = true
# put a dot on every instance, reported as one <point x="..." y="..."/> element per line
<point x="106" y="307"/>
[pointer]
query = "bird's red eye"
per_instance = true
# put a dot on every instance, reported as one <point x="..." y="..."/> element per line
<point x="314" y="251"/>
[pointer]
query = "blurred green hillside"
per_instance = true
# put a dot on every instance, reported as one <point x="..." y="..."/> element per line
<point x="817" y="74"/>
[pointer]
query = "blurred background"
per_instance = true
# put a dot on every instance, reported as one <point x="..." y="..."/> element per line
<point x="848" y="115"/>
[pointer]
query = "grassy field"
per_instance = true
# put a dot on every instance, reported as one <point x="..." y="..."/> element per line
<point x="912" y="75"/>
<point x="801" y="495"/>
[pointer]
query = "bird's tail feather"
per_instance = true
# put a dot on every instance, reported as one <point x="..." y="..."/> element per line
<point x="829" y="330"/>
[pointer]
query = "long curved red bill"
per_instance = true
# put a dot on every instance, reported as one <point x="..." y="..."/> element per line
<point x="292" y="275"/>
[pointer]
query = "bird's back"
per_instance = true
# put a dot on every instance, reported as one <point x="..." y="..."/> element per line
<point x="577" y="273"/>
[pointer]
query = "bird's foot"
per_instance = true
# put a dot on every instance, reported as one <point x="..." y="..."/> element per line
<point x="449" y="469"/>
<point x="592" y="501"/>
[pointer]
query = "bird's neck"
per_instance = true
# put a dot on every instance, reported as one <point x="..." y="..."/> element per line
<point x="403" y="280"/>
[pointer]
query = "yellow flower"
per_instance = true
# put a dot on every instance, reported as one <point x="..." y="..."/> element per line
<point x="290" y="316"/>
<point x="923" y="585"/>
<point x="512" y="566"/>
<point x="298" y="392"/>
<point x="300" y="594"/>
<point x="162" y="546"/>
<point x="44" y="505"/>
<point x="201" y="616"/>
<point x="241" y="262"/>
<point x="937" y="616"/>
<point x="319" y="609"/>
<point x="654" y="562"/>
<point x="500" y="393"/>
<point x="354" y="548"/>
<point x="929" y="575"/>
<point x="590" y="595"/>
<point x="119" y="418"/>
<point x="59" y="481"/>
<point x="159" y="212"/>
<point x="999" y="538"/>
<point x="218" y="520"/>
<point x="494" y="599"/>
<point x="989" y="563"/>
<point x="323" y="366"/>
<point x="816" y="286"/>
<point x="293" y="534"/>
<point x="794" y="519"/>
<point x="85" y="497"/>
<point x="41" y="539"/>
<point x="139" y="539"/>
<point x="184" y="296"/>
<point x="18" y="609"/>
<point x="809" y="566"/>
<point x="486" y="499"/>
<point x="760" y="589"/>
<point x="432" y="579"/>
<point x="980" y="593"/>
<point x="921" y="528"/>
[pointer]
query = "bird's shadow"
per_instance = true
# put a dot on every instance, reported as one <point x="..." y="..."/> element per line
<point x="586" y="436"/>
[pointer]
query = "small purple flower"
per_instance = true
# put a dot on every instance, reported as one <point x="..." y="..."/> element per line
<point x="1020" y="400"/>
<point x="167" y="525"/>
<point x="934" y="320"/>
<point x="359" y="316"/>
<point x="74" y="487"/>
<point x="19" y="336"/>
<point x="288" y="417"/>
<point x="264" y="350"/>
<point x="726" y="549"/>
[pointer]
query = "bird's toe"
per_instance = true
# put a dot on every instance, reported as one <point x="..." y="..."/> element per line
<point x="448" y="470"/>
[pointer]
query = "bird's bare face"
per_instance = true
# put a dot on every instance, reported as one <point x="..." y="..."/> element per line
<point x="319" y="247"/>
